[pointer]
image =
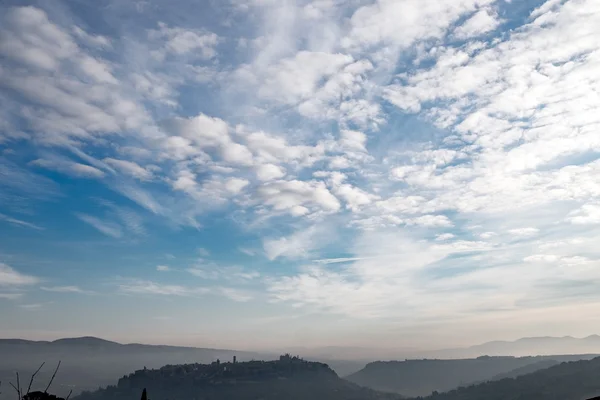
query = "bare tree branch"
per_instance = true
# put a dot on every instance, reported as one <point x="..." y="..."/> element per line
<point x="53" y="375"/>
<point x="69" y="394"/>
<point x="18" y="385"/>
<point x="33" y="376"/>
<point x="16" y="390"/>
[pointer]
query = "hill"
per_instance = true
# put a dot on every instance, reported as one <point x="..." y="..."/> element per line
<point x="575" y="380"/>
<point x="287" y="378"/>
<point x="90" y="362"/>
<point x="422" y="377"/>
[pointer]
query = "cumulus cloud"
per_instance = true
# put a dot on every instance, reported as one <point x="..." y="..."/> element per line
<point x="269" y="172"/>
<point x="298" y="197"/>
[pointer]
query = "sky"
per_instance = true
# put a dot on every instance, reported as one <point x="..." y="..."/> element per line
<point x="254" y="174"/>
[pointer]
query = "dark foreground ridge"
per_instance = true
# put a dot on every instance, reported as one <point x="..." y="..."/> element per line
<point x="287" y="378"/>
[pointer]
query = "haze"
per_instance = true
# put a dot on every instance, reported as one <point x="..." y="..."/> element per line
<point x="385" y="177"/>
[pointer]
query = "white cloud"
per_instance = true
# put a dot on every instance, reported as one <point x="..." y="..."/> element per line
<point x="487" y="235"/>
<point x="269" y="172"/>
<point x="431" y="221"/>
<point x="153" y="288"/>
<point x="63" y="289"/>
<point x="142" y="287"/>
<point x="483" y="21"/>
<point x="235" y="185"/>
<point x="70" y="168"/>
<point x="394" y="275"/>
<point x="524" y="232"/>
<point x="19" y="222"/>
<point x="29" y="49"/>
<point x="11" y="296"/>
<point x="354" y="197"/>
<point x="212" y="271"/>
<point x="399" y="24"/>
<point x="203" y="252"/>
<point x="236" y="294"/>
<point x="288" y="196"/>
<point x="444" y="236"/>
<point x="129" y="168"/>
<point x="298" y="245"/>
<point x="179" y="41"/>
<point x="94" y="40"/>
<point x="353" y="140"/>
<point x="296" y="78"/>
<point x="11" y="277"/>
<point x="75" y="94"/>
<point x="587" y="214"/>
<point x="31" y="307"/>
<point x="107" y="228"/>
<point x="163" y="268"/>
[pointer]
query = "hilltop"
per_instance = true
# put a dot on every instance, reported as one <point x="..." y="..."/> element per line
<point x="287" y="378"/>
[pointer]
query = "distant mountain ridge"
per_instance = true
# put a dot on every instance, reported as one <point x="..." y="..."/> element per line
<point x="544" y="345"/>
<point x="94" y="341"/>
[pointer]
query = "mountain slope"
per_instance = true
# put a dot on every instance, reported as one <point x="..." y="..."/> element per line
<point x="288" y="378"/>
<point x="422" y="377"/>
<point x="575" y="380"/>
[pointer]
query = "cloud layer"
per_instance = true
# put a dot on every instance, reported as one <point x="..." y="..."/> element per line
<point x="439" y="159"/>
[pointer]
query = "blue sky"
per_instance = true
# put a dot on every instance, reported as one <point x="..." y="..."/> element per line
<point x="262" y="173"/>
